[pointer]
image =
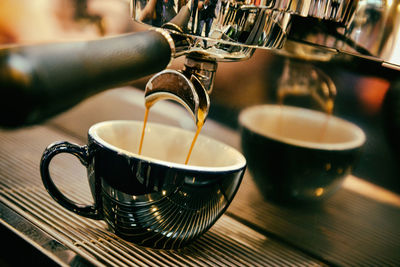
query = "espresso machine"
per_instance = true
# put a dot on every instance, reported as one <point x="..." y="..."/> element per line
<point x="42" y="80"/>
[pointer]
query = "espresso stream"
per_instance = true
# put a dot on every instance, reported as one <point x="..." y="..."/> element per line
<point x="200" y="122"/>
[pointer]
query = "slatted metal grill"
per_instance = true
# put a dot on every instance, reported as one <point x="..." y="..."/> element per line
<point x="347" y="230"/>
<point x="228" y="243"/>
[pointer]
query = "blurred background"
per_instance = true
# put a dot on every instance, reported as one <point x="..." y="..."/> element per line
<point x="367" y="93"/>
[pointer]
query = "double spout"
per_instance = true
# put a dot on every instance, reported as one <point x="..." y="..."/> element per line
<point x="189" y="87"/>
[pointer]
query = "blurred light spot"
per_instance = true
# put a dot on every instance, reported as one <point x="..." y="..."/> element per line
<point x="319" y="191"/>
<point x="328" y="166"/>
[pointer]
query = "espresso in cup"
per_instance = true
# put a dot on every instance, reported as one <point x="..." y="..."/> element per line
<point x="153" y="199"/>
<point x="296" y="154"/>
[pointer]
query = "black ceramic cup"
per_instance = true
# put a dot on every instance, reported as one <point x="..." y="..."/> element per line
<point x="151" y="199"/>
<point x="297" y="155"/>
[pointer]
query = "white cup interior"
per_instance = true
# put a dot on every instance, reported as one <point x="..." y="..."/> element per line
<point x="167" y="145"/>
<point x="302" y="127"/>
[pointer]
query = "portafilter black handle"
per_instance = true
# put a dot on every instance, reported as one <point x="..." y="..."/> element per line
<point x="39" y="81"/>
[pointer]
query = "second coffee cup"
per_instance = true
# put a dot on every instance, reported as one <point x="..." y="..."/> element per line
<point x="298" y="155"/>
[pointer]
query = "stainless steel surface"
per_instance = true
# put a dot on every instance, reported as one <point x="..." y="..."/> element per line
<point x="340" y="11"/>
<point x="32" y="235"/>
<point x="233" y="27"/>
<point x="349" y="229"/>
<point x="376" y="28"/>
<point x="317" y="29"/>
<point x="203" y="70"/>
<point x="372" y="33"/>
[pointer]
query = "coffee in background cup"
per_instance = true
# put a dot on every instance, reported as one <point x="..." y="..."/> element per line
<point x="296" y="154"/>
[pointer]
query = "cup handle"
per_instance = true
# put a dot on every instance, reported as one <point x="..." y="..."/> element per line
<point x="81" y="152"/>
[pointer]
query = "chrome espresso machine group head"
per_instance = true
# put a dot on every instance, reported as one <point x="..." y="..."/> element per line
<point x="230" y="30"/>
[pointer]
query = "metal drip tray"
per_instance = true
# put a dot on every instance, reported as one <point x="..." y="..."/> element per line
<point x="89" y="239"/>
<point x="68" y="239"/>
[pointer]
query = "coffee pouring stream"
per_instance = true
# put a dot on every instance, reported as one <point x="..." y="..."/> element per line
<point x="185" y="87"/>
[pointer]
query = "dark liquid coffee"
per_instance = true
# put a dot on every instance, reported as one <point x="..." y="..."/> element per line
<point x="328" y="109"/>
<point x="146" y="114"/>
<point x="200" y="122"/>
